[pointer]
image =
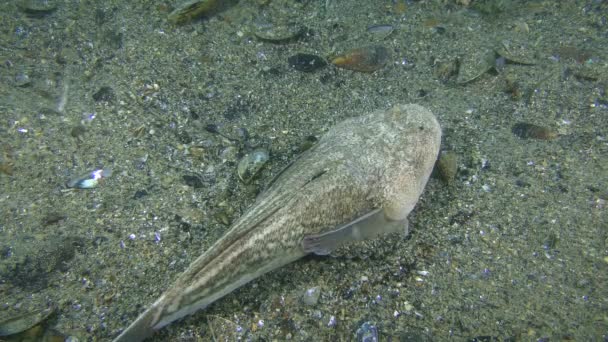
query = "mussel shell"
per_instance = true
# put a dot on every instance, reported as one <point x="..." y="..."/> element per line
<point x="365" y="59"/>
<point x="251" y="164"/>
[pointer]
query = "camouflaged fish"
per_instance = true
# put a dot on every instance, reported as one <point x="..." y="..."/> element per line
<point x="362" y="179"/>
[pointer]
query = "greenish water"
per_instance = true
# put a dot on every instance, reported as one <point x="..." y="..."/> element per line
<point x="514" y="247"/>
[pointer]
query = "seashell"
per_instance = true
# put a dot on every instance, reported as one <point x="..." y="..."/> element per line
<point x="15" y="325"/>
<point x="192" y="10"/>
<point x="474" y="65"/>
<point x="380" y="31"/>
<point x="366" y="59"/>
<point x="526" y="130"/>
<point x="90" y="179"/>
<point x="281" y="34"/>
<point x="251" y="164"/>
<point x="517" y="53"/>
<point x="37" y="8"/>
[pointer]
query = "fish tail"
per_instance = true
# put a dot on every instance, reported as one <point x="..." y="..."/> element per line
<point x="140" y="329"/>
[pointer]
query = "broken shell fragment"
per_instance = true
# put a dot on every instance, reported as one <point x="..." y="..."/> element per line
<point x="90" y="179"/>
<point x="475" y="64"/>
<point x="37" y="8"/>
<point x="192" y="10"/>
<point x="251" y="164"/>
<point x="15" y="325"/>
<point x="517" y="53"/>
<point x="366" y="59"/>
<point x="281" y="34"/>
<point x="526" y="130"/>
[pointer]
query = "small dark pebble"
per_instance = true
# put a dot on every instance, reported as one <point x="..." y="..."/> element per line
<point x="140" y="194"/>
<point x="37" y="12"/>
<point x="183" y="137"/>
<point x="212" y="128"/>
<point x="100" y="240"/>
<point x="306" y="62"/>
<point x="309" y="142"/>
<point x="78" y="131"/>
<point x="526" y="130"/>
<point x="105" y="94"/>
<point x="6" y="252"/>
<point x="193" y="181"/>
<point x="52" y="218"/>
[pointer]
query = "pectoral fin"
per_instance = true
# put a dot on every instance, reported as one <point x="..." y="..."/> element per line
<point x="365" y="227"/>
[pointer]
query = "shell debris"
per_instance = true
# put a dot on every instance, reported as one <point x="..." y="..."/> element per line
<point x="365" y="59"/>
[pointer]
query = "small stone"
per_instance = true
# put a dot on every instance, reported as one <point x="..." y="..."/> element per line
<point x="311" y="296"/>
<point x="105" y="94"/>
<point x="22" y="80"/>
<point x="306" y="62"/>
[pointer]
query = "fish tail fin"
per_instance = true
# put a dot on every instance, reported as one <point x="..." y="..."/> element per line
<point x="141" y="329"/>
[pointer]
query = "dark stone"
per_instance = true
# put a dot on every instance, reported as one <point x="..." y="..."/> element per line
<point x="306" y="62"/>
<point x="193" y="181"/>
<point x="105" y="94"/>
<point x="212" y="128"/>
<point x="140" y="194"/>
<point x="184" y="137"/>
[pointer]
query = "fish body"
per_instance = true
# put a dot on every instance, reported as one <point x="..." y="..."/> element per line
<point x="362" y="179"/>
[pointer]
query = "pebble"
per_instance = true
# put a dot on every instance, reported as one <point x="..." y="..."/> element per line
<point x="104" y="94"/>
<point x="311" y="296"/>
<point x="367" y="333"/>
<point x="22" y="80"/>
<point x="37" y="8"/>
<point x="306" y="62"/>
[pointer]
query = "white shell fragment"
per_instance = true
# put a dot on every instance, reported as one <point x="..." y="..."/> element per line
<point x="90" y="179"/>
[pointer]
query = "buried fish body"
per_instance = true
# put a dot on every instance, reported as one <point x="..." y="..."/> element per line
<point x="361" y="179"/>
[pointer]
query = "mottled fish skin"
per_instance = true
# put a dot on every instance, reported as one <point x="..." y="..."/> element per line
<point x="378" y="160"/>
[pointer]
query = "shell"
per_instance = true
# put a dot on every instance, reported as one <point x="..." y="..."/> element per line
<point x="280" y="34"/>
<point x="15" y="325"/>
<point x="365" y="59"/>
<point x="526" y="130"/>
<point x="192" y="10"/>
<point x="447" y="166"/>
<point x="90" y="179"/>
<point x="475" y="64"/>
<point x="251" y="164"/>
<point x="37" y="8"/>
<point x="518" y="53"/>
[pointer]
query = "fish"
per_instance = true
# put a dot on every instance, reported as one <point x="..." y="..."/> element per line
<point x="362" y="179"/>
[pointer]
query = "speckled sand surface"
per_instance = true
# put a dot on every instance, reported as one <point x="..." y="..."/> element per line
<point x="514" y="247"/>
